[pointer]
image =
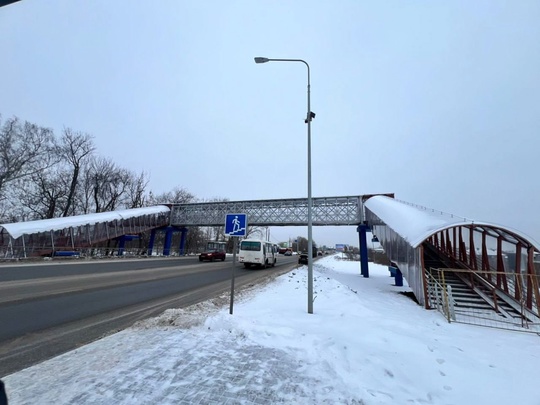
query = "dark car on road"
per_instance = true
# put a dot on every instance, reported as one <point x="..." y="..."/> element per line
<point x="303" y="258"/>
<point x="212" y="254"/>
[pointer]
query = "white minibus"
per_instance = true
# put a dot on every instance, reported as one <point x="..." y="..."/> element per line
<point x="257" y="252"/>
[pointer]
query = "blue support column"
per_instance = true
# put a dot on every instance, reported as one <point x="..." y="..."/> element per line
<point x="398" y="278"/>
<point x="122" y="242"/>
<point x="360" y="244"/>
<point x="183" y="232"/>
<point x="362" y="230"/>
<point x="151" y="242"/>
<point x="168" y="241"/>
<point x="121" y="245"/>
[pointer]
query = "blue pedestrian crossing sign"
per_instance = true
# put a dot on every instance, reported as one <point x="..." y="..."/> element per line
<point x="236" y="224"/>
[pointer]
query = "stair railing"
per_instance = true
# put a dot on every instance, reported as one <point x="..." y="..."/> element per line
<point x="440" y="294"/>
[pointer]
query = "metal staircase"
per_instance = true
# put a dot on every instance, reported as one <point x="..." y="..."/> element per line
<point x="463" y="295"/>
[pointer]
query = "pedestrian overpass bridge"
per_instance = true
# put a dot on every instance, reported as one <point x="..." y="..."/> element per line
<point x="474" y="272"/>
<point x="43" y="237"/>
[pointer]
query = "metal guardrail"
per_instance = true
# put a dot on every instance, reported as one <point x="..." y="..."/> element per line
<point x="440" y="297"/>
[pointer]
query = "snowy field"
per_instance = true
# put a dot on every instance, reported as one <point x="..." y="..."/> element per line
<point x="366" y="343"/>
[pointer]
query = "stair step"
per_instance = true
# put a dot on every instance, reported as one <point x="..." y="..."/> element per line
<point x="475" y="306"/>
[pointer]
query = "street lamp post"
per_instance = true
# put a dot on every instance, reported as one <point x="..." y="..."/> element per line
<point x="310" y="115"/>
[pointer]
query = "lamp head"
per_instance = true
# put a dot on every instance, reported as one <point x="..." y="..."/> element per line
<point x="260" y="59"/>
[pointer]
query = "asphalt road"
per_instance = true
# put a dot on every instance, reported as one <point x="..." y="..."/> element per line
<point x="49" y="308"/>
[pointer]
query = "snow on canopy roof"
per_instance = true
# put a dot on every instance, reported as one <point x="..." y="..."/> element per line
<point x="416" y="224"/>
<point x="18" y="229"/>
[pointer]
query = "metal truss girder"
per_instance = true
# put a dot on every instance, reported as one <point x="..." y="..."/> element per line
<point x="289" y="212"/>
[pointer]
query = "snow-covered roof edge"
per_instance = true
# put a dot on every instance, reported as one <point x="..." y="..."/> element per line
<point x="415" y="224"/>
<point x="17" y="229"/>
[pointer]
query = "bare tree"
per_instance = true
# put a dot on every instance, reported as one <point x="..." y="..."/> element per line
<point x="75" y="147"/>
<point x="136" y="197"/>
<point x="43" y="194"/>
<point x="83" y="197"/>
<point x="302" y="244"/>
<point x="178" y="195"/>
<point x="108" y="184"/>
<point x="195" y="240"/>
<point x="25" y="149"/>
<point x="11" y="209"/>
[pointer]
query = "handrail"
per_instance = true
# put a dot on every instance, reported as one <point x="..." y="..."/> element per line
<point x="443" y="296"/>
<point x="511" y="284"/>
<point x="508" y="313"/>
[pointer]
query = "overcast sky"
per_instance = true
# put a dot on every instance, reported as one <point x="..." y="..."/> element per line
<point x="437" y="102"/>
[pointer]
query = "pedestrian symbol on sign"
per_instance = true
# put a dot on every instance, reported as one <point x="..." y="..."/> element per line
<point x="236" y="224"/>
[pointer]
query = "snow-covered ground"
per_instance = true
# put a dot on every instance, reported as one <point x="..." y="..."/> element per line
<point x="366" y="343"/>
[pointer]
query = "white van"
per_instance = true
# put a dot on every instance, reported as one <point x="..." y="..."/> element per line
<point x="257" y="252"/>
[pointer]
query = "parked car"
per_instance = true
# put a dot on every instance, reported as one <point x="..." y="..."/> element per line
<point x="288" y="253"/>
<point x="212" y="254"/>
<point x="303" y="258"/>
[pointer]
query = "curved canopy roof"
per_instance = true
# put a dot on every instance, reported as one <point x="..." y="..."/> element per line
<point x="416" y="224"/>
<point x="18" y="229"/>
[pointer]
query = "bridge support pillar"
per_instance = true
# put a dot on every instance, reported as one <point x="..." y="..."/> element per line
<point x="122" y="242"/>
<point x="168" y="241"/>
<point x="151" y="242"/>
<point x="183" y="233"/>
<point x="362" y="230"/>
<point x="398" y="278"/>
<point x="121" y="245"/>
